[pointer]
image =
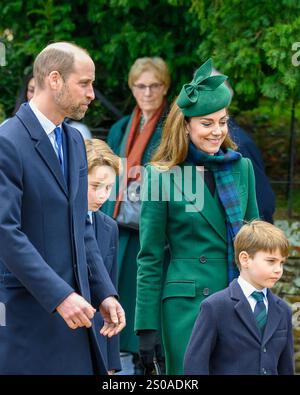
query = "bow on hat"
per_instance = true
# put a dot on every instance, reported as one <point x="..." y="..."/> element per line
<point x="202" y="81"/>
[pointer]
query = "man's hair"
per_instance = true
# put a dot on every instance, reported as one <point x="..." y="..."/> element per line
<point x="100" y="154"/>
<point x="260" y="236"/>
<point x="55" y="57"/>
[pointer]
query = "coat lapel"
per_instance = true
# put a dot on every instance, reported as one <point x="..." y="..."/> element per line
<point x="211" y="210"/>
<point x="73" y="162"/>
<point x="274" y="317"/>
<point x="42" y="144"/>
<point x="243" y="309"/>
<point x="102" y="232"/>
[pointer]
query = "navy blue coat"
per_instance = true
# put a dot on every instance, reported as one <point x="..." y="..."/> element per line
<point x="107" y="235"/>
<point x="247" y="147"/>
<point x="43" y="240"/>
<point x="226" y="341"/>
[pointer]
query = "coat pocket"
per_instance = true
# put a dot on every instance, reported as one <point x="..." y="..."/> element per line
<point x="280" y="333"/>
<point x="10" y="281"/>
<point x="183" y="289"/>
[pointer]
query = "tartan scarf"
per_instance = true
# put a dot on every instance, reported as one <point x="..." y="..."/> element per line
<point x="221" y="166"/>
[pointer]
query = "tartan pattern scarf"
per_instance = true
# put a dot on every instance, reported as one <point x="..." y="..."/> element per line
<point x="221" y="166"/>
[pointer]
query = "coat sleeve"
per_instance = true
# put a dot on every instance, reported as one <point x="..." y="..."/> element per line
<point x="17" y="253"/>
<point x="113" y="343"/>
<point x="286" y="360"/>
<point x="252" y="209"/>
<point x="202" y="342"/>
<point x="100" y="283"/>
<point x="153" y="222"/>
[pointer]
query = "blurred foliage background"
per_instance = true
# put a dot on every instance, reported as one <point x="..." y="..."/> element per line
<point x="257" y="44"/>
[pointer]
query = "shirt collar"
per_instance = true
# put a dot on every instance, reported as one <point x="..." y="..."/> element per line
<point x="248" y="288"/>
<point x="90" y="214"/>
<point x="47" y="125"/>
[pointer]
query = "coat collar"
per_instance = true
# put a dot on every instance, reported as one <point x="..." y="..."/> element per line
<point x="102" y="231"/>
<point x="47" y="153"/>
<point x="245" y="313"/>
<point x="243" y="309"/>
<point x="275" y="313"/>
<point x="73" y="162"/>
<point x="208" y="206"/>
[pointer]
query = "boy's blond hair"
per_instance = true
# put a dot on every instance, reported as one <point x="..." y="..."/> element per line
<point x="260" y="236"/>
<point x="100" y="154"/>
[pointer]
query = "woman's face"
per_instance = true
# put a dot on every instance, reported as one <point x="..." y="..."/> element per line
<point x="149" y="92"/>
<point x="208" y="132"/>
<point x="100" y="182"/>
<point x="30" y="89"/>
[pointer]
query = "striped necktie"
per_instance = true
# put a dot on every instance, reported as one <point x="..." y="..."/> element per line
<point x="58" y="139"/>
<point x="260" y="311"/>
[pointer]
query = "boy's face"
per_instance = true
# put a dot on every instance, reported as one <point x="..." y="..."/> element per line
<point x="100" y="182"/>
<point x="263" y="270"/>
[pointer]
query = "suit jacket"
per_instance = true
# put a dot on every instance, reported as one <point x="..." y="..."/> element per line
<point x="226" y="340"/>
<point x="106" y="231"/>
<point x="43" y="240"/>
<point x="198" y="248"/>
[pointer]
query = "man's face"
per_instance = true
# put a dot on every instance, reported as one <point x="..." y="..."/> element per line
<point x="100" y="182"/>
<point x="77" y="91"/>
<point x="264" y="269"/>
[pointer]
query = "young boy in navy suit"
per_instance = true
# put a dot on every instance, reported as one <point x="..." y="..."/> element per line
<point x="103" y="166"/>
<point x="246" y="329"/>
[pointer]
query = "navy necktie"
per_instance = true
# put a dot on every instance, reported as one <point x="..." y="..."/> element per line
<point x="260" y="311"/>
<point x="88" y="218"/>
<point x="58" y="139"/>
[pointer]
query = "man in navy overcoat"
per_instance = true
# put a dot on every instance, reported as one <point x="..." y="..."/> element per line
<point x="49" y="288"/>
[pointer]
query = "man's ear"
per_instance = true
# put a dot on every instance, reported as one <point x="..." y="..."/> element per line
<point x="244" y="259"/>
<point x="54" y="79"/>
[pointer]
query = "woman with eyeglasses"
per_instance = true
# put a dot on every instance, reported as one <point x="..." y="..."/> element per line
<point x="197" y="193"/>
<point x="135" y="137"/>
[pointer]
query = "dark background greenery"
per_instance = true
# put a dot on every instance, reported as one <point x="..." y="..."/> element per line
<point x="250" y="41"/>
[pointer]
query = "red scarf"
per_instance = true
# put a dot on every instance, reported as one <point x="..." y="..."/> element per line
<point x="136" y="144"/>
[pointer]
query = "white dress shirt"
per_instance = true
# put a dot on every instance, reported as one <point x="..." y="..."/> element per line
<point x="247" y="289"/>
<point x="47" y="125"/>
<point x="90" y="214"/>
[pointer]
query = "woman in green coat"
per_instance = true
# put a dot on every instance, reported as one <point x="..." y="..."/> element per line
<point x="135" y="137"/>
<point x="197" y="192"/>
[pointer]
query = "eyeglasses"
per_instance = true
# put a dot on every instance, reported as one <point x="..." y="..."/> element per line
<point x="153" y="87"/>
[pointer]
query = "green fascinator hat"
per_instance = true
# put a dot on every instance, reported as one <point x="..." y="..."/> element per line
<point x="205" y="94"/>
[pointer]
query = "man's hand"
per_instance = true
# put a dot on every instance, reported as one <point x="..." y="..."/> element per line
<point x="113" y="316"/>
<point x="76" y="311"/>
